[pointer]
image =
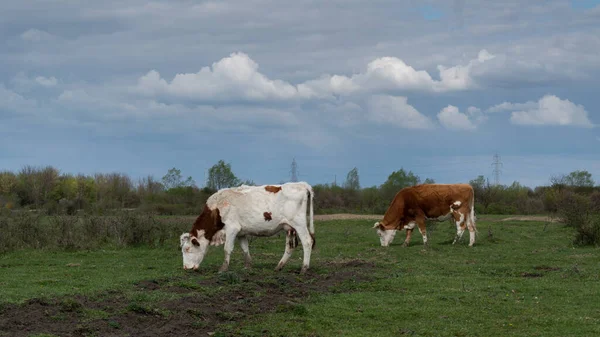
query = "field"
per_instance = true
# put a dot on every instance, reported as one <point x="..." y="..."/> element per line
<point x="522" y="278"/>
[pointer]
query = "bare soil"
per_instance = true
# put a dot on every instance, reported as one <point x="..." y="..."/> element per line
<point x="346" y="216"/>
<point x="198" y="314"/>
<point x="531" y="218"/>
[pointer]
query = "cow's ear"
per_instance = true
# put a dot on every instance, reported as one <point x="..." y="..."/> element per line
<point x="376" y="225"/>
<point x="195" y="242"/>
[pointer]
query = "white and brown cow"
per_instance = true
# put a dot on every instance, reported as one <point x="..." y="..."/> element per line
<point x="412" y="206"/>
<point x="246" y="211"/>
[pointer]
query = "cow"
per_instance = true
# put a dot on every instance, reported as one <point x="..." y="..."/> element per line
<point x="245" y="211"/>
<point x="412" y="206"/>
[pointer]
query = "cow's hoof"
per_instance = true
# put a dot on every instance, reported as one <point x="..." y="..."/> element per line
<point x="223" y="269"/>
<point x="303" y="270"/>
<point x="405" y="244"/>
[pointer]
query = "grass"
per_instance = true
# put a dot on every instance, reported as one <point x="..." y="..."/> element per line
<point x="522" y="278"/>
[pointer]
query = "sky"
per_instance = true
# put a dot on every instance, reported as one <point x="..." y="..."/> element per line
<point x="436" y="87"/>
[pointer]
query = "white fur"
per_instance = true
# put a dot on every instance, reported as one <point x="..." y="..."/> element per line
<point x="457" y="203"/>
<point x="386" y="236"/>
<point x="242" y="211"/>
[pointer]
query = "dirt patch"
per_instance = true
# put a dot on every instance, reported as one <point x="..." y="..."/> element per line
<point x="546" y="268"/>
<point x="347" y="216"/>
<point x="232" y="297"/>
<point x="531" y="218"/>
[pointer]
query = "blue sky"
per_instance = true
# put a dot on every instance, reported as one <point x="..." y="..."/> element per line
<point x="436" y="87"/>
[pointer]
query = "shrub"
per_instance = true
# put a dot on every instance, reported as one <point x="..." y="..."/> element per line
<point x="578" y="211"/>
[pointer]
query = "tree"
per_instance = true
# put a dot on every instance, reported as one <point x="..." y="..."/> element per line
<point x="173" y="179"/>
<point x="397" y="181"/>
<point x="580" y="179"/>
<point x="429" y="181"/>
<point x="221" y="176"/>
<point x="352" y="181"/>
<point x="573" y="179"/>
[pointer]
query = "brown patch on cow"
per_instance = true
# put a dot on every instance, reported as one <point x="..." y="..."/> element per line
<point x="209" y="221"/>
<point x="267" y="216"/>
<point x="273" y="189"/>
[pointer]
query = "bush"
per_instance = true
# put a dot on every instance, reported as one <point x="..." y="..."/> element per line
<point x="578" y="211"/>
<point x="27" y="229"/>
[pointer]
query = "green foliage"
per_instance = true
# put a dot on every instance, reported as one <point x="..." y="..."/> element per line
<point x="580" y="212"/>
<point x="174" y="180"/>
<point x="352" y="182"/>
<point x="221" y="176"/>
<point x="397" y="181"/>
<point x="574" y="179"/>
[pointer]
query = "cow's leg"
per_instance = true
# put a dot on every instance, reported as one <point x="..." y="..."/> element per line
<point x="459" y="219"/>
<point x="423" y="230"/>
<point x="307" y="243"/>
<point x="471" y="225"/>
<point x="290" y="245"/>
<point x="230" y="237"/>
<point x="409" y="229"/>
<point x="408" y="235"/>
<point x="246" y="250"/>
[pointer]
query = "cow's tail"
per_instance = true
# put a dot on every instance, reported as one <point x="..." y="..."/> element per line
<point x="472" y="214"/>
<point x="311" y="223"/>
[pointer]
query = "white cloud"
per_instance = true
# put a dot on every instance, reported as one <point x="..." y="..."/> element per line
<point x="452" y="119"/>
<point x="14" y="102"/>
<point x="231" y="78"/>
<point x="507" y="106"/>
<point x="24" y="83"/>
<point x="46" y="81"/>
<point x="548" y="110"/>
<point x="395" y="111"/>
<point x="36" y="35"/>
<point x="391" y="73"/>
<point x="237" y="78"/>
<point x="552" y="110"/>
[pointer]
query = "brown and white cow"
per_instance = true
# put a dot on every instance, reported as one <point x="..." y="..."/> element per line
<point x="412" y="206"/>
<point x="246" y="211"/>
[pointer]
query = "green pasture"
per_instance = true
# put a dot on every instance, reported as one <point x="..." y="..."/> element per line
<point x="522" y="278"/>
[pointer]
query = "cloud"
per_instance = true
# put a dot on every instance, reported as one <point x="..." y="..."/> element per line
<point x="237" y="78"/>
<point x="395" y="111"/>
<point x="552" y="110"/>
<point x="548" y="110"/>
<point x="393" y="74"/>
<point x="36" y="35"/>
<point x="13" y="102"/>
<point x="24" y="83"/>
<point x="46" y="81"/>
<point x="232" y="78"/>
<point x="452" y="119"/>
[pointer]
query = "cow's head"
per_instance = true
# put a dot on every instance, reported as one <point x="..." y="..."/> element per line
<point x="386" y="235"/>
<point x="193" y="249"/>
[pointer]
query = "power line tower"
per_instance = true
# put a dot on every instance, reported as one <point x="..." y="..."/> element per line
<point x="497" y="164"/>
<point x="294" y="171"/>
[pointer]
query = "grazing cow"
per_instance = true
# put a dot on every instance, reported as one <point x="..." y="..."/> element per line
<point x="252" y="211"/>
<point x="413" y="205"/>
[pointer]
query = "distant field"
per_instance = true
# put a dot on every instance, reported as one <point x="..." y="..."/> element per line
<point x="522" y="278"/>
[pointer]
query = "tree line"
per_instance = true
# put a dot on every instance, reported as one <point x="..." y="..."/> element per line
<point x="47" y="189"/>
